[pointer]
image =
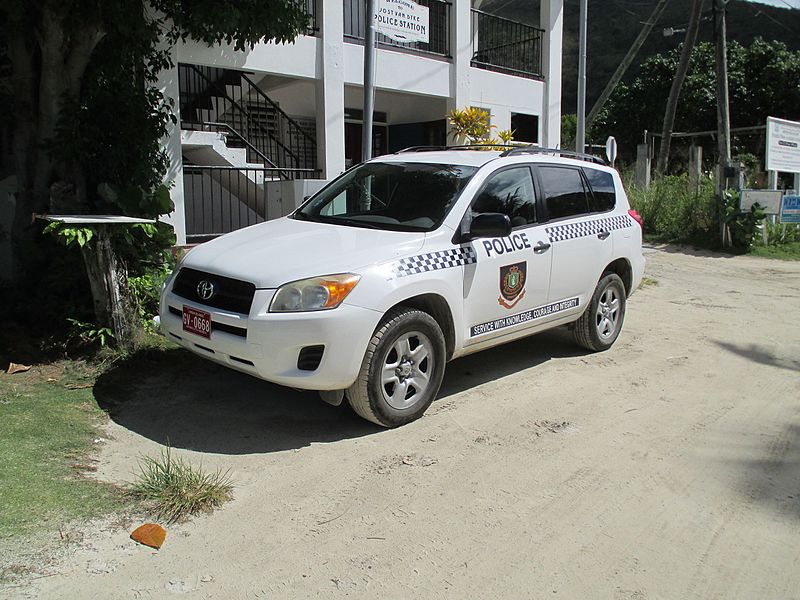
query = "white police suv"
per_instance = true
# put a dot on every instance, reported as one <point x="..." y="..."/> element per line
<point x="406" y="262"/>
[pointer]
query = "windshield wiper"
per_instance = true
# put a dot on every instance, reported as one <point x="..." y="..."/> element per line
<point x="304" y="217"/>
<point x="356" y="222"/>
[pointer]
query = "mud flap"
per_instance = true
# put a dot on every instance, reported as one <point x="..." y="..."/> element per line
<point x="332" y="397"/>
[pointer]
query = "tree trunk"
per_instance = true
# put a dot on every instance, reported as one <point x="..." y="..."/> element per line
<point x="677" y="83"/>
<point x="108" y="279"/>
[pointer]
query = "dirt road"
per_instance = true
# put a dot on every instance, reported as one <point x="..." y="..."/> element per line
<point x="668" y="467"/>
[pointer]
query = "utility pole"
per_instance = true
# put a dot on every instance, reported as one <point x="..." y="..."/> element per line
<point x="677" y="83"/>
<point x="723" y="114"/>
<point x="723" y="106"/>
<point x="369" y="82"/>
<point x="580" y="132"/>
<point x="626" y="62"/>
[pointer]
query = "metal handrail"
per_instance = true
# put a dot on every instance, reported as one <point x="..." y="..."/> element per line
<point x="224" y="94"/>
<point x="243" y="139"/>
<point x="519" y="49"/>
<point x="278" y="109"/>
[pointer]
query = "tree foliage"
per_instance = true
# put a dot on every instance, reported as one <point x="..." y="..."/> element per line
<point x="87" y="116"/>
<point x="764" y="80"/>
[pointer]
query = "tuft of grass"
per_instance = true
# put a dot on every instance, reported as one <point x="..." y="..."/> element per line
<point x="648" y="282"/>
<point x="174" y="489"/>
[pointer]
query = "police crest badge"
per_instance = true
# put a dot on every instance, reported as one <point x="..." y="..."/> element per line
<point x="512" y="284"/>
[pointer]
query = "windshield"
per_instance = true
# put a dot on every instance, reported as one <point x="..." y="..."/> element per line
<point x="396" y="196"/>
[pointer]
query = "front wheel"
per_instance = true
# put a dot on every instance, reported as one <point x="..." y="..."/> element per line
<point x="402" y="369"/>
<point x="599" y="326"/>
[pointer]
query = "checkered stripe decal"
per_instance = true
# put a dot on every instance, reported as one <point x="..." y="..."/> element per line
<point x="569" y="231"/>
<point x="433" y="261"/>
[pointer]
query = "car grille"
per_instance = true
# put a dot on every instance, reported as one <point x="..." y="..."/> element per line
<point x="229" y="294"/>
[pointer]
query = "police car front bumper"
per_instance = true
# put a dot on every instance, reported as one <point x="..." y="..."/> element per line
<point x="269" y="345"/>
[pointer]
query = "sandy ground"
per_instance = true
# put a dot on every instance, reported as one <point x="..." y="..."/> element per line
<point x="668" y="467"/>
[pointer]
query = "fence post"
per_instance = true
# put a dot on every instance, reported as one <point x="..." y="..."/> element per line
<point x="643" y="166"/>
<point x="695" y="165"/>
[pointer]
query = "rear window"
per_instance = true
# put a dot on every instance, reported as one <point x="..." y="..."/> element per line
<point x="563" y="191"/>
<point x="603" y="190"/>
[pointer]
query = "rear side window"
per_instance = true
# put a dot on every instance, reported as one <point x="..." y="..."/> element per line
<point x="564" y="193"/>
<point x="603" y="190"/>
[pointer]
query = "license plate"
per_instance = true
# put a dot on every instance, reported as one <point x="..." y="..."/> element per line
<point x="197" y="322"/>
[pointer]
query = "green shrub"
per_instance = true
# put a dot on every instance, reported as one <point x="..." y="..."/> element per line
<point x="675" y="210"/>
<point x="782" y="234"/>
<point x="743" y="226"/>
<point x="146" y="289"/>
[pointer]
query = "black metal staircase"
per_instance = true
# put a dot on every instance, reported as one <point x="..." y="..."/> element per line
<point x="210" y="96"/>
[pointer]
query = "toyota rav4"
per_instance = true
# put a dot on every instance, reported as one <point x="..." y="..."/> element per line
<point x="406" y="262"/>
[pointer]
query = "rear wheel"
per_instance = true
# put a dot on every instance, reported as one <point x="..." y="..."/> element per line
<point x="599" y="326"/>
<point x="402" y="369"/>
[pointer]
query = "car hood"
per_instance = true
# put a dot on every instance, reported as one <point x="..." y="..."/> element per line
<point x="276" y="252"/>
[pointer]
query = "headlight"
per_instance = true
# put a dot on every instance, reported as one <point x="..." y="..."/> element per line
<point x="316" y="293"/>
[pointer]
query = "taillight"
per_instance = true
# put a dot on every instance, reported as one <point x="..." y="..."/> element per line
<point x="636" y="217"/>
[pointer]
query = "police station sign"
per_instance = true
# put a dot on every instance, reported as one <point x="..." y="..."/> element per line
<point x="402" y="20"/>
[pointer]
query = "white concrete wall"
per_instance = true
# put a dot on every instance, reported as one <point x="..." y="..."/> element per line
<point x="502" y="95"/>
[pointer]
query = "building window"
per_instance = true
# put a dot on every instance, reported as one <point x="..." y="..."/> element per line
<point x="525" y="127"/>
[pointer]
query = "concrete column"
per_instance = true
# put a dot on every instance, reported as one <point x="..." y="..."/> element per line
<point x="461" y="50"/>
<point x="552" y="21"/>
<point x="643" y="166"/>
<point x="330" y="90"/>
<point x="168" y="84"/>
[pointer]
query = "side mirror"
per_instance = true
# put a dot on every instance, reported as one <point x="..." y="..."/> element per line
<point x="489" y="225"/>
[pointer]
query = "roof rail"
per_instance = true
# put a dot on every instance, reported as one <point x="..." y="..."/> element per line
<point x="456" y="147"/>
<point x="565" y="153"/>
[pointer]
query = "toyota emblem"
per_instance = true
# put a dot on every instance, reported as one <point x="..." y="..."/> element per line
<point x="205" y="290"/>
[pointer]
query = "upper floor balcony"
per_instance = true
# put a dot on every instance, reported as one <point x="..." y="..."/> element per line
<point x="498" y="44"/>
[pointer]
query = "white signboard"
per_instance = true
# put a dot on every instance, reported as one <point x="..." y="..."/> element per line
<point x="402" y="20"/>
<point x="783" y="145"/>
<point x="769" y="200"/>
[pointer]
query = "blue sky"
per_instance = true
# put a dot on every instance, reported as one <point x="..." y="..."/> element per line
<point x="791" y="3"/>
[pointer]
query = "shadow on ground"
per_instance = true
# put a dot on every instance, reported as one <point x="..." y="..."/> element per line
<point x="760" y="355"/>
<point x="173" y="397"/>
<point x="772" y="473"/>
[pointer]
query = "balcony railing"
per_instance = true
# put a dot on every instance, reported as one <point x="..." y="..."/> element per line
<point x="438" y="27"/>
<point x="506" y="46"/>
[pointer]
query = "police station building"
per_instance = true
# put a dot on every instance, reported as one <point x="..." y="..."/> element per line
<point x="260" y="129"/>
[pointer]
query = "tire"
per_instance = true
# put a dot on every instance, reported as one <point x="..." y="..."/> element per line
<point x="396" y="383"/>
<point x="598" y="327"/>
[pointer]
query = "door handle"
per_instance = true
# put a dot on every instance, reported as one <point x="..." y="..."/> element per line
<point x="541" y="247"/>
<point x="603" y="234"/>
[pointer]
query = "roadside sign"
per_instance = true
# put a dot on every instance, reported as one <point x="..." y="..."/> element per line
<point x="783" y="145"/>
<point x="769" y="200"/>
<point x="611" y="149"/>
<point x="402" y="20"/>
<point x="790" y="209"/>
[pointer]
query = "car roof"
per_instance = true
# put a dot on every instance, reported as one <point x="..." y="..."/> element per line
<point x="478" y="158"/>
<point x="472" y="158"/>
